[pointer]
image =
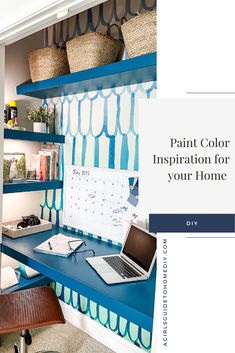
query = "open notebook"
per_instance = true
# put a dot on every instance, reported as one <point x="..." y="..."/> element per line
<point x="60" y="245"/>
<point x="8" y="277"/>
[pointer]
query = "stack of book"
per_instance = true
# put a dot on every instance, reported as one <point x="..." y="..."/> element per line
<point x="49" y="161"/>
<point x="46" y="162"/>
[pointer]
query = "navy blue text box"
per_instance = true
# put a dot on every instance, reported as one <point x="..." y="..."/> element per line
<point x="191" y="223"/>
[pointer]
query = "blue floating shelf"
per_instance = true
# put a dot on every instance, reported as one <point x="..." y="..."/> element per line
<point x="26" y="283"/>
<point x="32" y="186"/>
<point x="122" y="73"/>
<point x="33" y="136"/>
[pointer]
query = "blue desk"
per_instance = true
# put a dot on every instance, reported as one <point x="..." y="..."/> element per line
<point x="134" y="301"/>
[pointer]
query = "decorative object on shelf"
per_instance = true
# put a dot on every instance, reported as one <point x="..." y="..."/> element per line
<point x="12" y="113"/>
<point x="35" y="164"/>
<point x="10" y="124"/>
<point x="14" y="229"/>
<point x="41" y="117"/>
<point x="39" y="127"/>
<point x="28" y="221"/>
<point x="47" y="63"/>
<point x="19" y="180"/>
<point x="92" y="50"/>
<point x="5" y="114"/>
<point x="49" y="161"/>
<point x="31" y="174"/>
<point x="11" y="118"/>
<point x="140" y="34"/>
<point x="14" y="167"/>
<point x="19" y="128"/>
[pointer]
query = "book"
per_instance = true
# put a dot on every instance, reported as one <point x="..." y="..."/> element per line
<point x="8" y="277"/>
<point x="43" y="167"/>
<point x="35" y="164"/>
<point x="52" y="165"/>
<point x="48" y="158"/>
<point x="47" y="165"/>
<point x="60" y="245"/>
<point x="52" y="153"/>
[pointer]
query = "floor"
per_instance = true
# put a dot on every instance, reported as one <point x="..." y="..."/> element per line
<point x="62" y="338"/>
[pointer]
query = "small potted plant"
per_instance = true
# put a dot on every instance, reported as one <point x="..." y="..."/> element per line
<point x="41" y="117"/>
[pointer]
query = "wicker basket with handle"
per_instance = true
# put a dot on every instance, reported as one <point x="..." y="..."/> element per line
<point x="47" y="63"/>
<point x="140" y="34"/>
<point x="91" y="50"/>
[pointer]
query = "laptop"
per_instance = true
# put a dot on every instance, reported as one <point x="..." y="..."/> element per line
<point x="135" y="261"/>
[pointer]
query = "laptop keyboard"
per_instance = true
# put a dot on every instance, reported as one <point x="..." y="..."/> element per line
<point x="121" y="267"/>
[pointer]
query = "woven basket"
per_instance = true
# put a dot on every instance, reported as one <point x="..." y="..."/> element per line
<point x="47" y="63"/>
<point x="91" y="50"/>
<point x="140" y="34"/>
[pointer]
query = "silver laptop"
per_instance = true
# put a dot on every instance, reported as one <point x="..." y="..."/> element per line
<point x="135" y="261"/>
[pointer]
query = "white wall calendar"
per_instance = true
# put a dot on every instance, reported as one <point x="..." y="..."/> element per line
<point x="100" y="201"/>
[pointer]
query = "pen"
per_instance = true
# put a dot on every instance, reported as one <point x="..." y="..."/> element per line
<point x="49" y="244"/>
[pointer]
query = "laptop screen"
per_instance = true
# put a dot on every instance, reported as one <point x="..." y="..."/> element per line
<point x="140" y="247"/>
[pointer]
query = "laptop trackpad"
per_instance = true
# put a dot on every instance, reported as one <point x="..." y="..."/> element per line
<point x="103" y="268"/>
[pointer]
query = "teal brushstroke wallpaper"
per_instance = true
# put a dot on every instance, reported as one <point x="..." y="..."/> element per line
<point x="119" y="325"/>
<point x="101" y="130"/>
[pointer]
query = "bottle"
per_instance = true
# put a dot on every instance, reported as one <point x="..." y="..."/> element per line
<point x="5" y="114"/>
<point x="12" y="115"/>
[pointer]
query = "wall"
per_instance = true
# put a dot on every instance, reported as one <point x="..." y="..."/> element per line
<point x="17" y="71"/>
<point x="101" y="130"/>
<point x="2" y="76"/>
<point x="98" y="19"/>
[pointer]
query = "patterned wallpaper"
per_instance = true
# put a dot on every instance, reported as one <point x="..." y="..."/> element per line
<point x="97" y="19"/>
<point x="119" y="325"/>
<point x="101" y="130"/>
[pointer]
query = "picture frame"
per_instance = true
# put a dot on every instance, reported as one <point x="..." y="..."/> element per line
<point x="14" y="166"/>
